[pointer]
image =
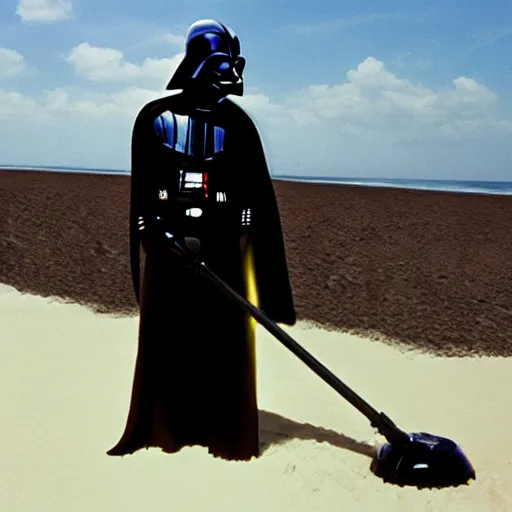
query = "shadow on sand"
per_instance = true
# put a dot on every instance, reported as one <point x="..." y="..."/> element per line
<point x="276" y="429"/>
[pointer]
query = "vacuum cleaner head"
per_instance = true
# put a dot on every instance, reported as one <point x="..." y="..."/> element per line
<point x="424" y="461"/>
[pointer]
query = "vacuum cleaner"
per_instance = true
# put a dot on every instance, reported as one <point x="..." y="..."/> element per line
<point x="418" y="459"/>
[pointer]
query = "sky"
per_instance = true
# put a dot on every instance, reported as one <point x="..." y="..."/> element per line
<point x="359" y="88"/>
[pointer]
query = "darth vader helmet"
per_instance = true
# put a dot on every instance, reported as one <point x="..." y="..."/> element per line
<point x="212" y="64"/>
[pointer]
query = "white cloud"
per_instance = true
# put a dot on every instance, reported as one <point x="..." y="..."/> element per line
<point x="12" y="63"/>
<point x="70" y="127"/>
<point x="102" y="64"/>
<point x="373" y="98"/>
<point x="173" y="39"/>
<point x="44" y="10"/>
<point x="374" y="123"/>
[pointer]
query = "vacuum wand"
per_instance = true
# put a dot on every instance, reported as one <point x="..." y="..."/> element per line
<point x="378" y="420"/>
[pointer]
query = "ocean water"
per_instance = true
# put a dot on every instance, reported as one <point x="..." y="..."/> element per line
<point x="57" y="168"/>
<point x="459" y="186"/>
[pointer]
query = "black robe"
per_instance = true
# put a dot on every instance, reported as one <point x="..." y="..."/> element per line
<point x="195" y="374"/>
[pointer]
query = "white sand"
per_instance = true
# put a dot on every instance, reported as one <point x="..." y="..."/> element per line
<point x="65" y="382"/>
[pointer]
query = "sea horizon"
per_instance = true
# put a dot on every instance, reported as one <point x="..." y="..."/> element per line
<point x="440" y="185"/>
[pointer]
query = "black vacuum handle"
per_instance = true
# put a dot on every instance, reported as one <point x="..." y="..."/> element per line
<point x="378" y="420"/>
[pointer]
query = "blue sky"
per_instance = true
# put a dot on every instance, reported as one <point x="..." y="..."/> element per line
<point x="354" y="88"/>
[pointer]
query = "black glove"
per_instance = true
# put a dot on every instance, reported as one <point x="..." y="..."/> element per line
<point x="183" y="254"/>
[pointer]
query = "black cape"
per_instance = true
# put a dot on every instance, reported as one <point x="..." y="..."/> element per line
<point x="195" y="374"/>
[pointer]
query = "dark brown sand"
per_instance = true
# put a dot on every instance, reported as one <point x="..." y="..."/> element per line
<point x="431" y="270"/>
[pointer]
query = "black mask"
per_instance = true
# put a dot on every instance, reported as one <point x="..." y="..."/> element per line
<point x="212" y="66"/>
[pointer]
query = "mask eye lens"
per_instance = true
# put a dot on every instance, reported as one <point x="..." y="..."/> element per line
<point x="224" y="66"/>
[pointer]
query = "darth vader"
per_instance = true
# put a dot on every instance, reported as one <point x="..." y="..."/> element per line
<point x="199" y="172"/>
